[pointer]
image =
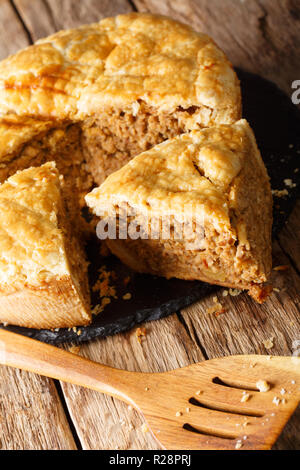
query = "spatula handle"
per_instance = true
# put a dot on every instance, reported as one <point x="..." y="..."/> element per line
<point x="34" y="356"/>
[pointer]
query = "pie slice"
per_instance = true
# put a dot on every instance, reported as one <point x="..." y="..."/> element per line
<point x="43" y="272"/>
<point x="198" y="206"/>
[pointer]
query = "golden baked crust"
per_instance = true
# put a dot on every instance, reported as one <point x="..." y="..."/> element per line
<point x="115" y="63"/>
<point x="38" y="286"/>
<point x="215" y="176"/>
<point x="15" y="131"/>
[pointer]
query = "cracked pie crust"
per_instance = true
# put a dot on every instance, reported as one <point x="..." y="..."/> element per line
<point x="91" y="99"/>
<point x="43" y="272"/>
<point x="211" y="181"/>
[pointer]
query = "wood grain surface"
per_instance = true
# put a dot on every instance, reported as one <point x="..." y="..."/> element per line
<point x="262" y="37"/>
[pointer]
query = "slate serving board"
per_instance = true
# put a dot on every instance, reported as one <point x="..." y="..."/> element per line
<point x="276" y="123"/>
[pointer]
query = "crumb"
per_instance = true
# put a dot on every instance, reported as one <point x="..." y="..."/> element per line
<point x="225" y="293"/>
<point x="263" y="385"/>
<point x="100" y="307"/>
<point x="238" y="444"/>
<point x="282" y="391"/>
<point x="289" y="183"/>
<point x="275" y="289"/>
<point x="146" y="389"/>
<point x="140" y="333"/>
<point x="223" y="310"/>
<point x="74" y="349"/>
<point x="234" y="292"/>
<point x="282" y="267"/>
<point x="280" y="192"/>
<point x="178" y="413"/>
<point x="188" y="410"/>
<point x="217" y="308"/>
<point x="198" y="392"/>
<point x="276" y="401"/>
<point x="245" y="397"/>
<point x="144" y="428"/>
<point x="268" y="343"/>
<point x="215" y="299"/>
<point x="260" y="292"/>
<point x="127" y="296"/>
<point x="79" y="332"/>
<point x="103" y="285"/>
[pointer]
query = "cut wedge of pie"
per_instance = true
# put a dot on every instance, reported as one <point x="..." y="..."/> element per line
<point x="198" y="206"/>
<point x="43" y="272"/>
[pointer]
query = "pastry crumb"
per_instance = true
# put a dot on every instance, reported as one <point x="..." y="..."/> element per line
<point x="280" y="192"/>
<point x="269" y="343"/>
<point x="245" y="397"/>
<point x="289" y="183"/>
<point x="74" y="349"/>
<point x="263" y="385"/>
<point x="127" y="296"/>
<point x="276" y="401"/>
<point x="144" y="428"/>
<point x="140" y="334"/>
<point x="217" y="309"/>
<point x="238" y="444"/>
<point x="234" y="292"/>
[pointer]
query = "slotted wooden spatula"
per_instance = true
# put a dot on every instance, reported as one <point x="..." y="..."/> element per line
<point x="215" y="404"/>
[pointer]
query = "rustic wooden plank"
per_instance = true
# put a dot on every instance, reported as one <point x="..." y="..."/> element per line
<point x="62" y="14"/>
<point x="104" y="423"/>
<point x="31" y="414"/>
<point x="261" y="36"/>
<point x="12" y="35"/>
<point x="246" y="327"/>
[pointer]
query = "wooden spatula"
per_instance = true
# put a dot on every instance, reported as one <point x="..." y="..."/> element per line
<point x="215" y="404"/>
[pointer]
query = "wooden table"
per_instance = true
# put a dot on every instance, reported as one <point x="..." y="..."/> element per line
<point x="37" y="413"/>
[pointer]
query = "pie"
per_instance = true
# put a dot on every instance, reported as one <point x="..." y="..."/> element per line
<point x="98" y="95"/>
<point x="43" y="271"/>
<point x="91" y="99"/>
<point x="197" y="206"/>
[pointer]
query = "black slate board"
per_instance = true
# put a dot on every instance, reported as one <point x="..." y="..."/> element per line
<point x="276" y="123"/>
